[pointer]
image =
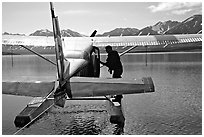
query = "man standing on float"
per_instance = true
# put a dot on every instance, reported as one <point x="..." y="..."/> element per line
<point x="114" y="64"/>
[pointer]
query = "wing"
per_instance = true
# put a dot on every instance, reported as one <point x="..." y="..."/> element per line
<point x="90" y="87"/>
<point x="152" y="40"/>
<point x="27" y="88"/>
<point x="152" y="43"/>
<point x="80" y="87"/>
<point x="27" y="40"/>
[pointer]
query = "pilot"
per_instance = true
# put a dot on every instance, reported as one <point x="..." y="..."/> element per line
<point x="114" y="64"/>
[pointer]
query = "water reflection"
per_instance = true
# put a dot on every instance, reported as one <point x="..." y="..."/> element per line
<point x="81" y="126"/>
<point x="12" y="106"/>
<point x="175" y="107"/>
<point x="25" y="66"/>
<point x="77" y="118"/>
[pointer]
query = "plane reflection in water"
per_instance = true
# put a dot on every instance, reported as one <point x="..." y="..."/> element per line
<point x="78" y="58"/>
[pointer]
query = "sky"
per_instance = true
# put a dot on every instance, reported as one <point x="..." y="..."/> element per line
<point x="85" y="17"/>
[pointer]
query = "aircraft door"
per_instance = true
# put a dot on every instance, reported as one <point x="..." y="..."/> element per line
<point x="95" y="60"/>
<point x="93" y="67"/>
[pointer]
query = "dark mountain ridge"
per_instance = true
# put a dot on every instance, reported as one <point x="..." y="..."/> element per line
<point x="191" y="25"/>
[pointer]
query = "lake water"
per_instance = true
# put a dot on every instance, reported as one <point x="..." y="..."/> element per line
<point x="174" y="108"/>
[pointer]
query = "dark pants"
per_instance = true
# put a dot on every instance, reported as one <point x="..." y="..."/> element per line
<point x="117" y="73"/>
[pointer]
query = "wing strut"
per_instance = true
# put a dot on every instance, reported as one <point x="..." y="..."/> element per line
<point x="62" y="86"/>
<point x="58" y="46"/>
<point x="38" y="54"/>
<point x="123" y="53"/>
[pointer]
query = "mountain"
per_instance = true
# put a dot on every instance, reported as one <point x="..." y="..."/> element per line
<point x="162" y="27"/>
<point x="159" y="28"/>
<point x="121" y="32"/>
<point x="191" y="25"/>
<point x="70" y="33"/>
<point x="6" y="33"/>
<point x="42" y="32"/>
<point x="148" y="31"/>
<point x="64" y="33"/>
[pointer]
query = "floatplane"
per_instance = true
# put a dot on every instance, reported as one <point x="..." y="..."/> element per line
<point x="78" y="72"/>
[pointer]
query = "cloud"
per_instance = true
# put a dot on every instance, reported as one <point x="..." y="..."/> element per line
<point x="175" y="7"/>
<point x="181" y="12"/>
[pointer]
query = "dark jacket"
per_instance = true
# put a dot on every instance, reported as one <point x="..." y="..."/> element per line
<point x="113" y="61"/>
